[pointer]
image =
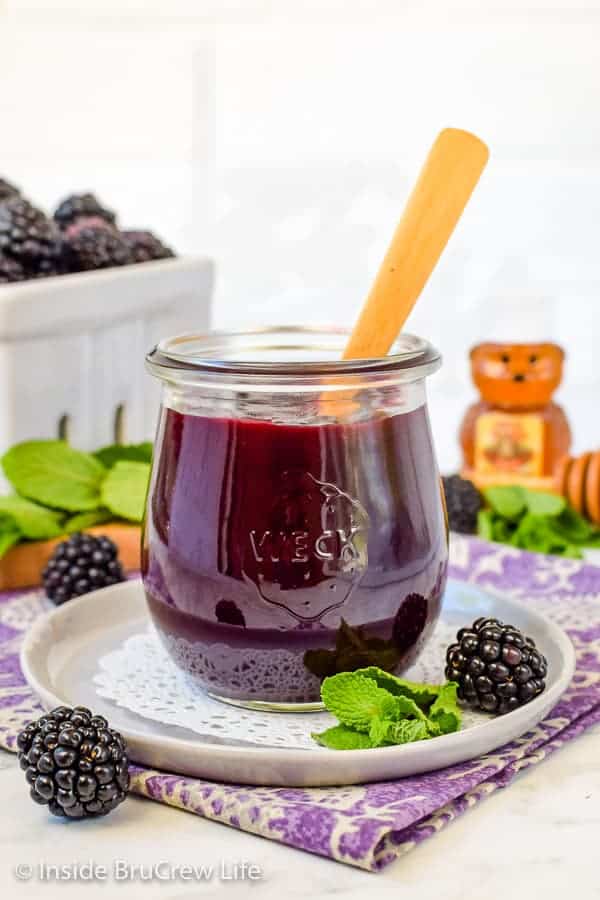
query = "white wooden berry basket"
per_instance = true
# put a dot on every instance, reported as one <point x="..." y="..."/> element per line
<point x="72" y="349"/>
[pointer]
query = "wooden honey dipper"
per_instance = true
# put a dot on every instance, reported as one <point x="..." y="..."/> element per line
<point x="445" y="183"/>
<point x="578" y="479"/>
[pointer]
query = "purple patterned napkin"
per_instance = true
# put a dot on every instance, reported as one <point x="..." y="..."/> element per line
<point x="369" y="826"/>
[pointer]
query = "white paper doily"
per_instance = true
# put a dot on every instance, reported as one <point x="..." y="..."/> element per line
<point x="141" y="677"/>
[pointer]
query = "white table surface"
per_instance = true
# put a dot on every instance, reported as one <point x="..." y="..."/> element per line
<point x="538" y="838"/>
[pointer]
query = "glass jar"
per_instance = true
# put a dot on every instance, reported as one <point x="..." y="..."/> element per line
<point x="295" y="525"/>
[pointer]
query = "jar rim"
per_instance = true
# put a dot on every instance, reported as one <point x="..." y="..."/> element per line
<point x="226" y="352"/>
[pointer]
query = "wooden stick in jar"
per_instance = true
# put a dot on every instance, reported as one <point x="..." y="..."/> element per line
<point x="446" y="182"/>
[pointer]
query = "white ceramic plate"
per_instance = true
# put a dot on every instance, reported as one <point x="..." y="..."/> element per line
<point x="60" y="658"/>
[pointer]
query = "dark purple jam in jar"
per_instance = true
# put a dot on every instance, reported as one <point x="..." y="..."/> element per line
<point x="295" y="525"/>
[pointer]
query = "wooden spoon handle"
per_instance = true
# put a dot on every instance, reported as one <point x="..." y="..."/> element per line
<point x="447" y="179"/>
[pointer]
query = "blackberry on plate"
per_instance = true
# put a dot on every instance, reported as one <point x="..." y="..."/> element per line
<point x="74" y="762"/>
<point x="7" y="189"/>
<point x="79" y="565"/>
<point x="463" y="502"/>
<point x="82" y="206"/>
<point x="96" y="248"/>
<point x="145" y="246"/>
<point x="10" y="270"/>
<point x="28" y="236"/>
<point x="496" y="666"/>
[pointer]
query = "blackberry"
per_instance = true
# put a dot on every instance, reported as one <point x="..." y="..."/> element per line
<point x="8" y="190"/>
<point x="410" y="621"/>
<point x="82" y="206"/>
<point x="96" y="248"/>
<point x="145" y="246"/>
<point x="10" y="270"/>
<point x="85" y="223"/>
<point x="81" y="564"/>
<point x="28" y="236"/>
<point x="496" y="667"/>
<point x="229" y="613"/>
<point x="75" y="764"/>
<point x="463" y="502"/>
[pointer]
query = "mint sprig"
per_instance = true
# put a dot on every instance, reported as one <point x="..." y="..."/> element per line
<point x="33" y="521"/>
<point x="55" y="475"/>
<point x="60" y="490"/>
<point x="9" y="533"/>
<point x="115" y="453"/>
<point x="341" y="737"/>
<point x="377" y="709"/>
<point x="356" y="700"/>
<point x="124" y="489"/>
<point x="534" y="520"/>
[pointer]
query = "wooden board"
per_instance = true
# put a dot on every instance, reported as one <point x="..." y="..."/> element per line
<point x="22" y="566"/>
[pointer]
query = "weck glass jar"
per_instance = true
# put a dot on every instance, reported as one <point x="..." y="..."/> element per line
<point x="295" y="524"/>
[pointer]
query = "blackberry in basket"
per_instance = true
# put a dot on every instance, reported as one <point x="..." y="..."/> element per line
<point x="10" y="270"/>
<point x="7" y="189"/>
<point x="30" y="238"/>
<point x="497" y="668"/>
<point x="82" y="564"/>
<point x="82" y="206"/>
<point x="145" y="246"/>
<point x="74" y="762"/>
<point x="96" y="247"/>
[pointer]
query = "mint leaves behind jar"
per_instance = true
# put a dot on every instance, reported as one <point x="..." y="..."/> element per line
<point x="353" y="650"/>
<point x="124" y="489"/>
<point x="115" y="453"/>
<point x="32" y="521"/>
<point x="55" y="475"/>
<point x="534" y="520"/>
<point x="376" y="709"/>
<point x="60" y="490"/>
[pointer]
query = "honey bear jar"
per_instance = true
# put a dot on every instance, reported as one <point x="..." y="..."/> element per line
<point x="515" y="433"/>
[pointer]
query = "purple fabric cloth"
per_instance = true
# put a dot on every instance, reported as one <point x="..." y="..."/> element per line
<point x="371" y="825"/>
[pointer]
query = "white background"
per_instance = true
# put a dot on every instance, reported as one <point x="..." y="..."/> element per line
<point x="283" y="139"/>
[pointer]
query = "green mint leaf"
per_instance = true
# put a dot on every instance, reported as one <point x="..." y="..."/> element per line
<point x="320" y="662"/>
<point x="115" y="453"/>
<point x="385" y="733"/>
<point x="445" y="711"/>
<point x="422" y="694"/>
<point x="502" y="530"/>
<point x="9" y="533"/>
<point x="485" y="524"/>
<point x="406" y="708"/>
<point x="379" y="732"/>
<point x="574" y="527"/>
<point x="36" y="523"/>
<point x="540" y="534"/>
<point x="366" y="709"/>
<point x="54" y="474"/>
<point x="355" y="700"/>
<point x="352" y="651"/>
<point x="349" y="638"/>
<point x="351" y="660"/>
<point x="534" y="533"/>
<point x="82" y="521"/>
<point x="124" y="490"/>
<point x="540" y="503"/>
<point x="508" y="501"/>
<point x="340" y="737"/>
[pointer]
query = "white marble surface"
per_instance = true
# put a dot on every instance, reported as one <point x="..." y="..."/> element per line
<point x="539" y="838"/>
